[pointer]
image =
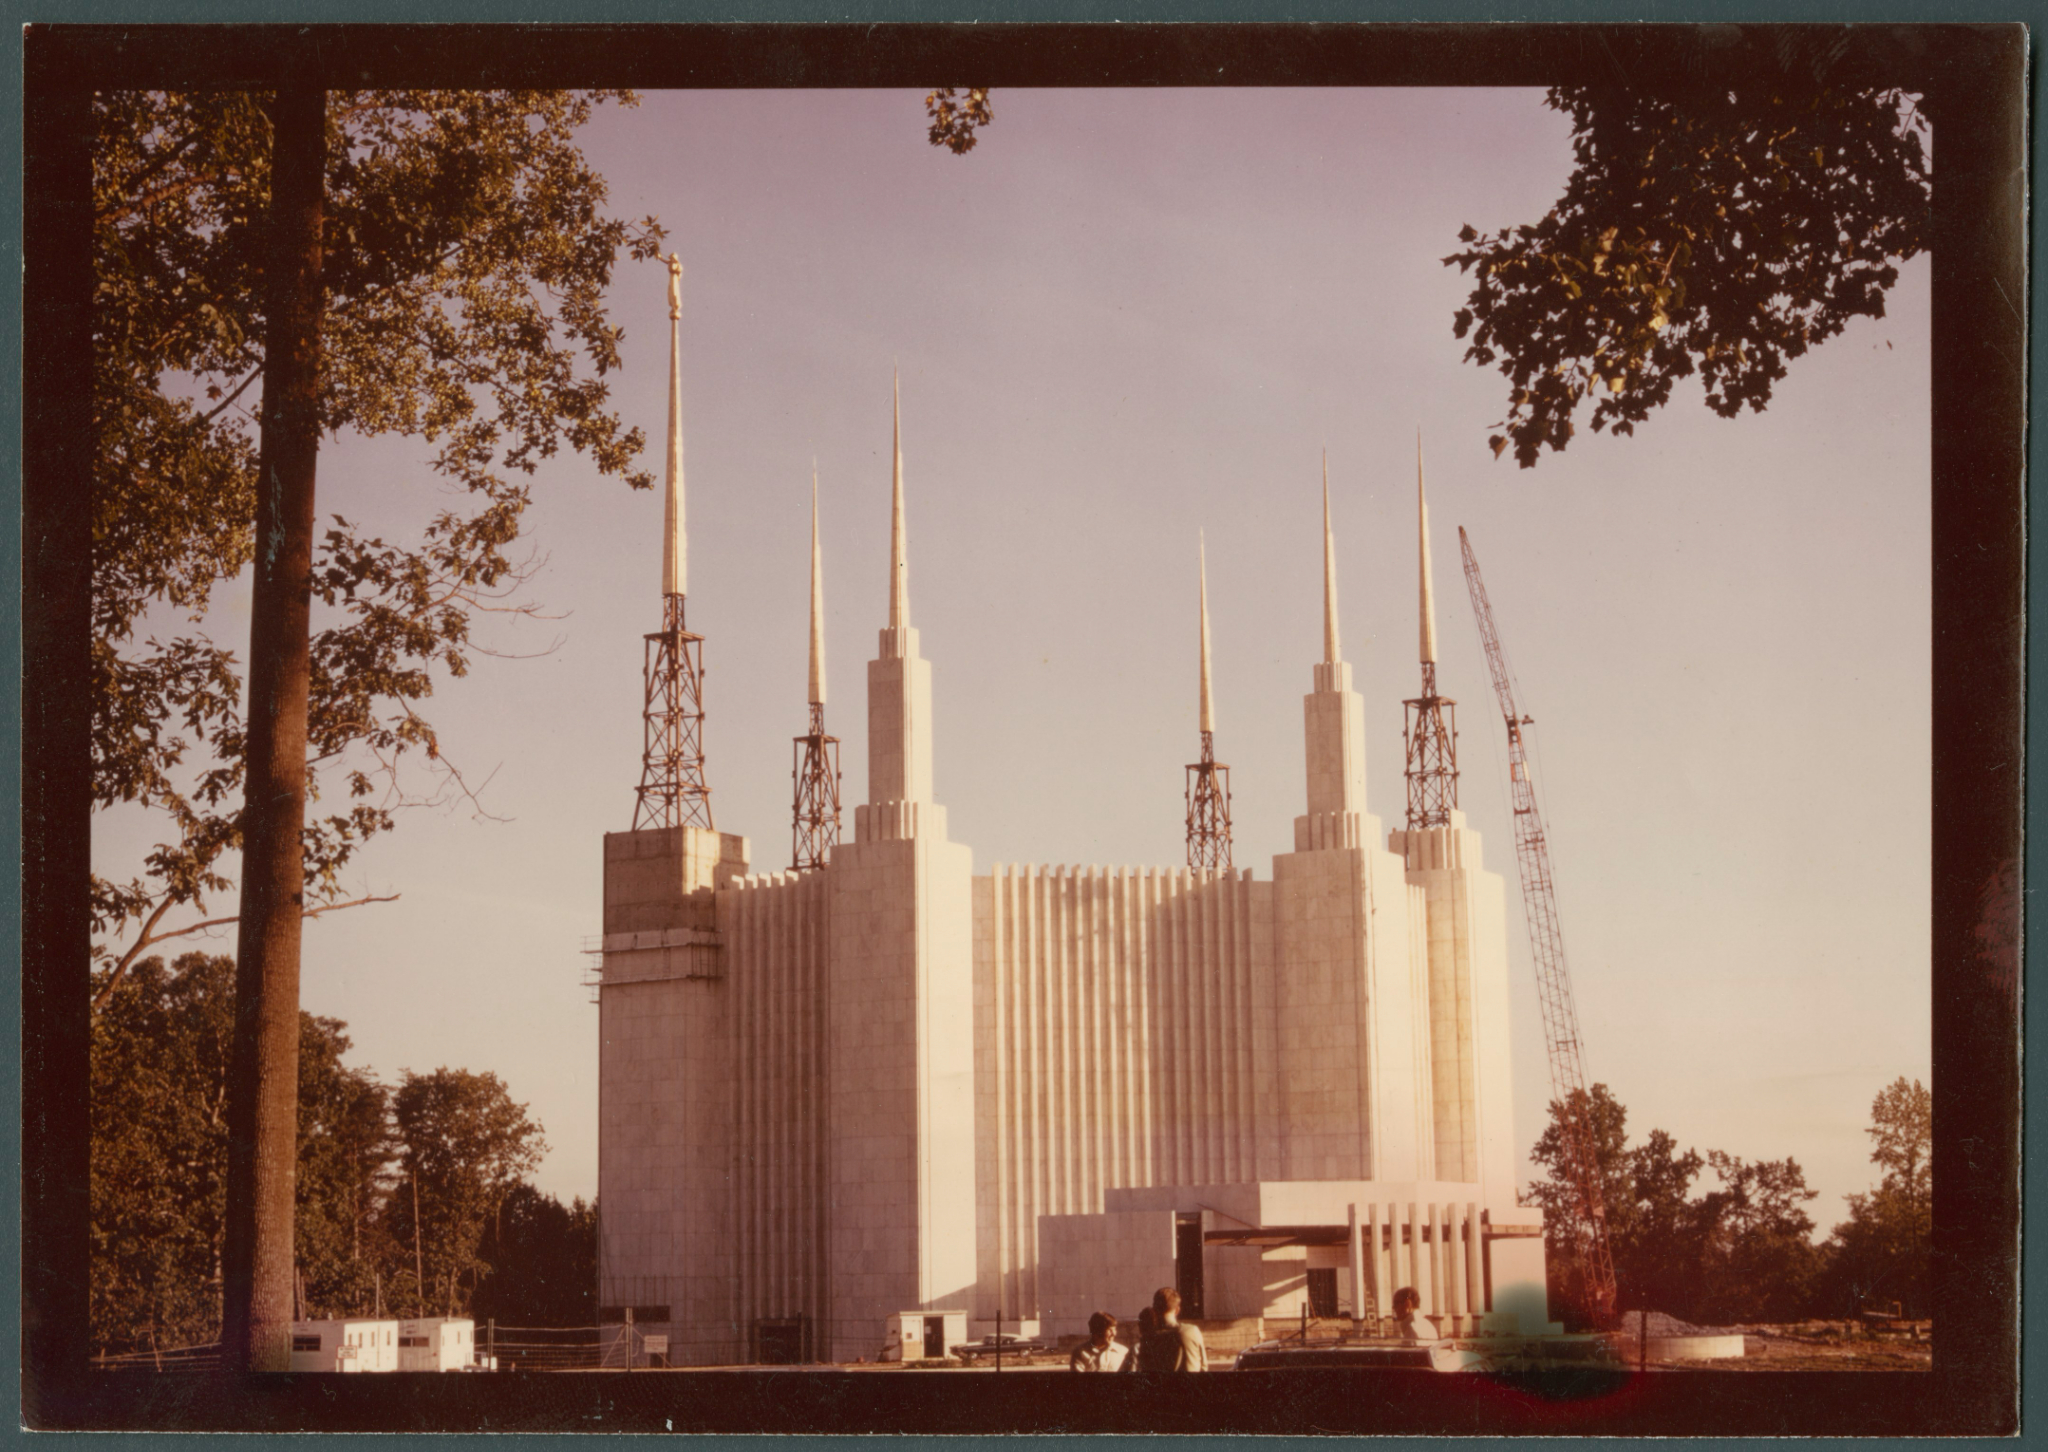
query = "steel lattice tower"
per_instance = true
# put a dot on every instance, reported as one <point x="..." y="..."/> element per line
<point x="672" y="788"/>
<point x="815" y="825"/>
<point x="1430" y="722"/>
<point x="1208" y="779"/>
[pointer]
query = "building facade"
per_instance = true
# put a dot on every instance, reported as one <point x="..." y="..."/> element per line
<point x="890" y="1084"/>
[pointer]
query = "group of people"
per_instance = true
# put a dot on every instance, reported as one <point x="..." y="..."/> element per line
<point x="1167" y="1343"/>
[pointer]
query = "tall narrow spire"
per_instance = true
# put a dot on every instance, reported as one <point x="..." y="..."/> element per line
<point x="817" y="600"/>
<point x="1208" y="701"/>
<point x="899" y="697"/>
<point x="675" y="559"/>
<point x="672" y="791"/>
<point x="1208" y="794"/>
<point x="814" y="831"/>
<point x="1422" y="529"/>
<point x="1331" y="653"/>
<point x="899" y="549"/>
<point x="1335" y="721"/>
<point x="1429" y="729"/>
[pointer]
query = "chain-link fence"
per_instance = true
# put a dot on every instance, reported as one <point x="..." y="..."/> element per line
<point x="630" y="1346"/>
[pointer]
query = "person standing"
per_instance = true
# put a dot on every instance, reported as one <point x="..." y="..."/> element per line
<point x="1409" y="1325"/>
<point x="1101" y="1352"/>
<point x="1135" y="1361"/>
<point x="1172" y="1345"/>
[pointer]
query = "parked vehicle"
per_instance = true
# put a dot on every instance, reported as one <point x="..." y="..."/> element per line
<point x="1009" y="1345"/>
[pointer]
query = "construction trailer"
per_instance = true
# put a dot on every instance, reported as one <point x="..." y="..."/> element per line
<point x="436" y="1343"/>
<point x="349" y="1345"/>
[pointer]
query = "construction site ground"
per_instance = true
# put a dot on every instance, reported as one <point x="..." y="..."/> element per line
<point x="1813" y="1346"/>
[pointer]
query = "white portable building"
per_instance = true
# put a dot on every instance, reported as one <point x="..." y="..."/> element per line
<point x="436" y="1343"/>
<point x="348" y="1345"/>
<point x="922" y="1335"/>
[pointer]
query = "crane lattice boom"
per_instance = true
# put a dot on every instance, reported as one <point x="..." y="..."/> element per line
<point x="1553" y="978"/>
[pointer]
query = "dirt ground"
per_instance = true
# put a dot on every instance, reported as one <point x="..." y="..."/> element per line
<point x="1816" y="1348"/>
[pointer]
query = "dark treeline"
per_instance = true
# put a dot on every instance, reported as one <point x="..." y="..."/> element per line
<point x="412" y="1196"/>
<point x="1743" y="1251"/>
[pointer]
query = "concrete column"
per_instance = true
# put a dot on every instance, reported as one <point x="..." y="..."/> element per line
<point x="1379" y="1264"/>
<point x="1414" y="1250"/>
<point x="1454" y="1263"/>
<point x="1473" y="1300"/>
<point x="1436" y="1257"/>
<point x="1395" y="1280"/>
<point x="1357" y="1255"/>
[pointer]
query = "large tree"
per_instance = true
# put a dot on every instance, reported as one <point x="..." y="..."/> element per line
<point x="465" y="251"/>
<point x="464" y="1147"/>
<point x="346" y="1147"/>
<point x="1882" y="1252"/>
<point x="160" y="1067"/>
<point x="423" y="263"/>
<point x="160" y="1060"/>
<point x="543" y="1260"/>
<point x="1739" y="1252"/>
<point x="1721" y="230"/>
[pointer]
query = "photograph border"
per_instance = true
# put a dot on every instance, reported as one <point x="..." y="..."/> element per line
<point x="1974" y="80"/>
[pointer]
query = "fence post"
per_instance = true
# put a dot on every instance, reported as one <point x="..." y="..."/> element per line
<point x="491" y="1340"/>
<point x="629" y="1338"/>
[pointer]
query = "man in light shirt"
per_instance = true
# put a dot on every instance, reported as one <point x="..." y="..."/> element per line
<point x="1409" y="1324"/>
<point x="1101" y="1351"/>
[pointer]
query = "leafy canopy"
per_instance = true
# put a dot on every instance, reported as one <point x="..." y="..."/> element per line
<point x="1742" y="1252"/>
<point x="1883" y="1252"/>
<point x="467" y="251"/>
<point x="1721" y="232"/>
<point x="956" y="118"/>
<point x="160" y="1053"/>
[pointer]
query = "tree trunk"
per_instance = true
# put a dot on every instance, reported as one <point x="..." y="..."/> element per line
<point x="419" y="1264"/>
<point x="263" y="1087"/>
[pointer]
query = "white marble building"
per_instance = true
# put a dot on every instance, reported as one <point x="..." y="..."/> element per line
<point x="891" y="1084"/>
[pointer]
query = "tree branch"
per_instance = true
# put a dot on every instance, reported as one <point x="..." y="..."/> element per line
<point x="150" y="937"/>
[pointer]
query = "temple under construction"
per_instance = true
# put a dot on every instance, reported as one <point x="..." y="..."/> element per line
<point x="879" y="1095"/>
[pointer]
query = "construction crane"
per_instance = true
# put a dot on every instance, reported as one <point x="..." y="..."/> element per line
<point x="1553" y="979"/>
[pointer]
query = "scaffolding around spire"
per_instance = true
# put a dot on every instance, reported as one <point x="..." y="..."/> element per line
<point x="814" y="830"/>
<point x="1429" y="727"/>
<point x="672" y="789"/>
<point x="1208" y="786"/>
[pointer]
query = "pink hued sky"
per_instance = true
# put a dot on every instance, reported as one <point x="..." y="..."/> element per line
<point x="1127" y="316"/>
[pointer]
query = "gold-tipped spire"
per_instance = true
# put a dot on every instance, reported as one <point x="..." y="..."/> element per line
<point x="817" y="600"/>
<point x="1331" y="652"/>
<point x="675" y="556"/>
<point x="1208" y="702"/>
<point x="1422" y="526"/>
<point x="899" y="549"/>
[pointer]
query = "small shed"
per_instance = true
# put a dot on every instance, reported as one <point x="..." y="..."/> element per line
<point x="436" y="1343"/>
<point x="923" y="1335"/>
<point x="347" y="1345"/>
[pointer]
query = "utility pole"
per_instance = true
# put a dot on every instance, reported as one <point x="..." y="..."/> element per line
<point x="1553" y="978"/>
<point x="263" y="1084"/>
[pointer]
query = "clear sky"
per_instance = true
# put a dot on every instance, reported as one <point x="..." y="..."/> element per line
<point x="1125" y="317"/>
